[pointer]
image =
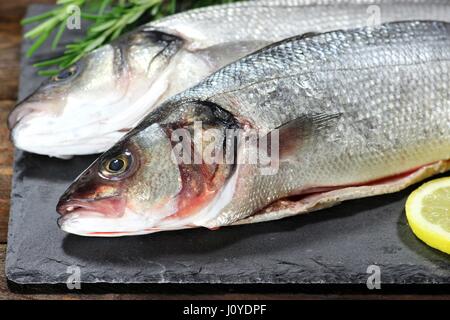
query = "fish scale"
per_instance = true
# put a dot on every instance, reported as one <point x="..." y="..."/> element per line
<point x="393" y="122"/>
<point x="82" y="115"/>
<point x="407" y="123"/>
<point x="233" y="81"/>
<point x="318" y="11"/>
<point x="359" y="113"/>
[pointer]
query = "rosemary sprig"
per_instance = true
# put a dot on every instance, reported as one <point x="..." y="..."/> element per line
<point x="108" y="20"/>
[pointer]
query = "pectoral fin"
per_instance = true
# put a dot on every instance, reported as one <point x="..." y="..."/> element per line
<point x="295" y="134"/>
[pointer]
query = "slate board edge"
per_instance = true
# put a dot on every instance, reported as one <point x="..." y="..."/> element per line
<point x="11" y="266"/>
<point x="14" y="272"/>
<point x="17" y="276"/>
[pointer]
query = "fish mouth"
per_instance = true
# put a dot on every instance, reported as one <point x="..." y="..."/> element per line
<point x="22" y="109"/>
<point x="75" y="206"/>
<point x="27" y="109"/>
<point x="41" y="132"/>
<point x="102" y="217"/>
<point x="83" y="221"/>
<point x="112" y="206"/>
<point x="27" y="136"/>
<point x="16" y="115"/>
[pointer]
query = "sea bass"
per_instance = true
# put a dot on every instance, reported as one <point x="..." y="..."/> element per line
<point x="88" y="107"/>
<point x="343" y="115"/>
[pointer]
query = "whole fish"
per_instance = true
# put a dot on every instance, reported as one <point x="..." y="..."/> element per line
<point x="88" y="107"/>
<point x="343" y="115"/>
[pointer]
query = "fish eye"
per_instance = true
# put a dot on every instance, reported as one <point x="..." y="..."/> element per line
<point x="116" y="166"/>
<point x="65" y="74"/>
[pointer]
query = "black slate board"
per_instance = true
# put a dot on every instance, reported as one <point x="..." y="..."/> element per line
<point x="334" y="246"/>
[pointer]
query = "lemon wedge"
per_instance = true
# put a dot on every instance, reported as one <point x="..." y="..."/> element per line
<point x="428" y="213"/>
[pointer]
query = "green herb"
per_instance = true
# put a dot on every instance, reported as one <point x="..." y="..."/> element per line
<point x="108" y="20"/>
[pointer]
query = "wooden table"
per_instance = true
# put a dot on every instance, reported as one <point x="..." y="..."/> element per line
<point x="10" y="38"/>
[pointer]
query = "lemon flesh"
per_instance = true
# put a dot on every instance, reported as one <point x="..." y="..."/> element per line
<point x="428" y="213"/>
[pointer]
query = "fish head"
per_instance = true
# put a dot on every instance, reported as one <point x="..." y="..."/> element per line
<point x="84" y="109"/>
<point x="145" y="184"/>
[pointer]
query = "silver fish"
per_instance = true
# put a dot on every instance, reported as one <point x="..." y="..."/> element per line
<point x="351" y="114"/>
<point x="88" y="107"/>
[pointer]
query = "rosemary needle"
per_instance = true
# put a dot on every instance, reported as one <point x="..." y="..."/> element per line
<point x="108" y="20"/>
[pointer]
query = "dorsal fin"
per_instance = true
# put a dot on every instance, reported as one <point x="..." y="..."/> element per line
<point x="276" y="44"/>
<point x="308" y="35"/>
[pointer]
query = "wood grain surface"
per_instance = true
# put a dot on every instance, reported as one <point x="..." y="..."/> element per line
<point x="10" y="35"/>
